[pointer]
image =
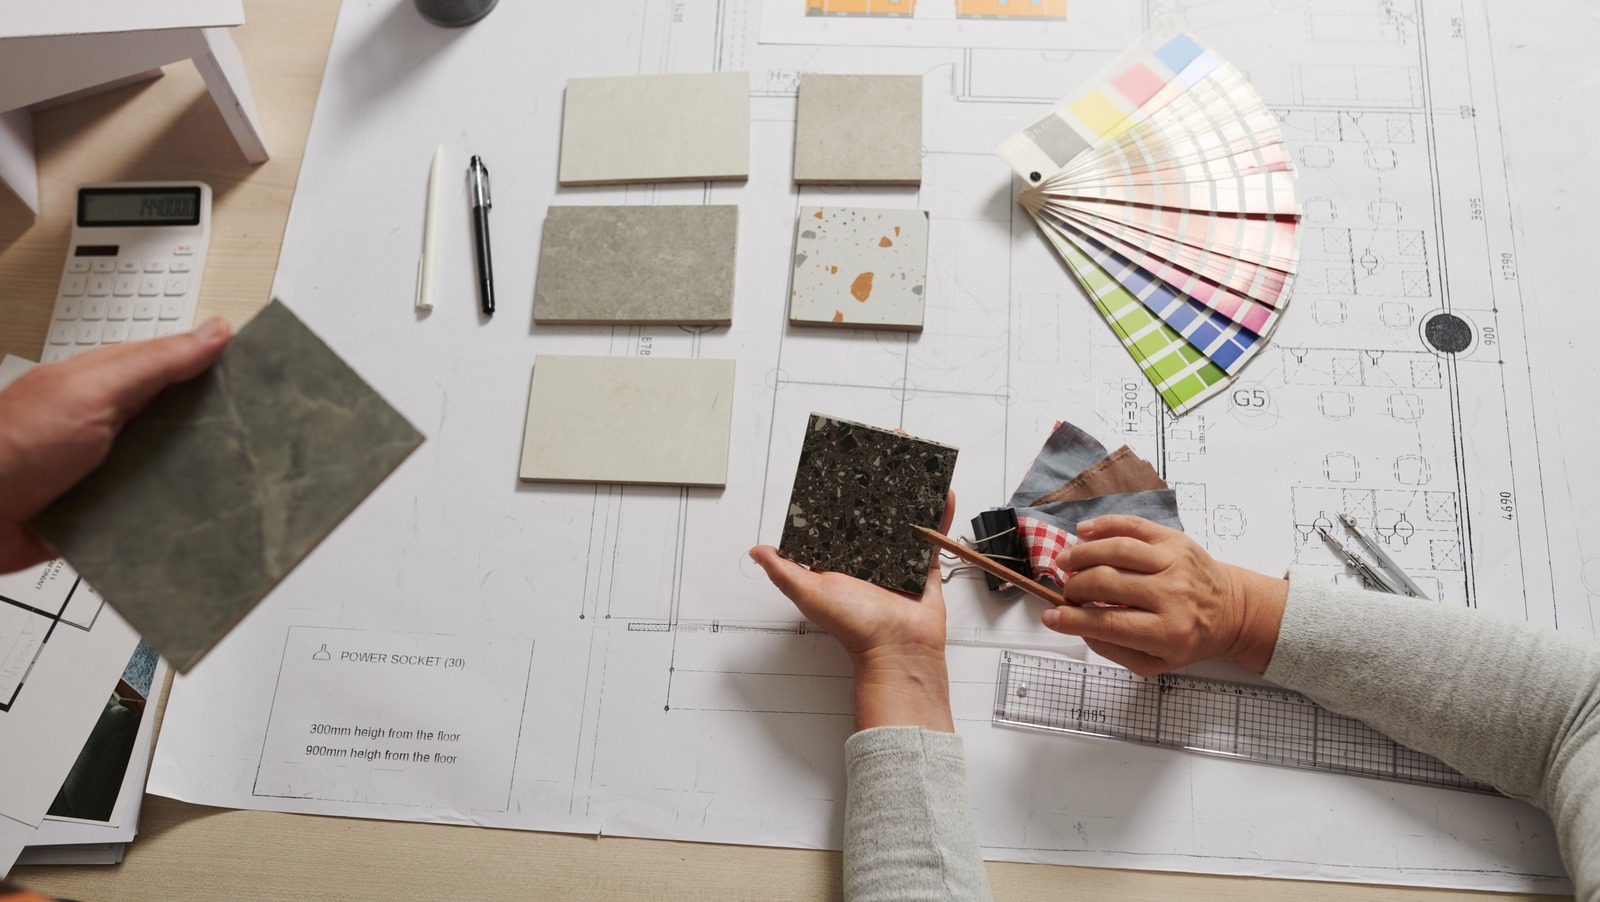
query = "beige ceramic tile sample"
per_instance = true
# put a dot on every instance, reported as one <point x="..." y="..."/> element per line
<point x="859" y="268"/>
<point x="859" y="130"/>
<point x="632" y="420"/>
<point x="656" y="128"/>
<point x="632" y="265"/>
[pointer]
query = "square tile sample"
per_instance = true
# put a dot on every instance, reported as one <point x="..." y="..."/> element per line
<point x="630" y="420"/>
<point x="663" y="264"/>
<point x="656" y="128"/>
<point x="857" y="493"/>
<point x="860" y="268"/>
<point x="859" y="130"/>
<point x="216" y="492"/>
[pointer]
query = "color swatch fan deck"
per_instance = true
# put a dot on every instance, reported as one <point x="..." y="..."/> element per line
<point x="1166" y="187"/>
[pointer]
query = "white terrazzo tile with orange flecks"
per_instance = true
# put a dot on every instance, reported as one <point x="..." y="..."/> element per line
<point x="860" y="268"/>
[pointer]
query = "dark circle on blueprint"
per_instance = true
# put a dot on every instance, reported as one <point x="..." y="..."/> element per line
<point x="1447" y="333"/>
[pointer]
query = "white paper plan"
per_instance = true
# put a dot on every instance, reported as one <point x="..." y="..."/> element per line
<point x="465" y="648"/>
<point x="61" y="651"/>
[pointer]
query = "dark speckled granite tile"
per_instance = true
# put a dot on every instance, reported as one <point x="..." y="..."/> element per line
<point x="226" y="483"/>
<point x="857" y="492"/>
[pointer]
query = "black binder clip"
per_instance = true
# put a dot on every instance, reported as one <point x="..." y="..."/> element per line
<point x="996" y="536"/>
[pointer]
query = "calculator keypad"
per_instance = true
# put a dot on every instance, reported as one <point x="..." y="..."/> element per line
<point x="110" y="301"/>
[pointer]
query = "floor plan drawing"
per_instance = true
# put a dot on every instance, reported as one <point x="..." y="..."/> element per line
<point x="34" y="603"/>
<point x="674" y="693"/>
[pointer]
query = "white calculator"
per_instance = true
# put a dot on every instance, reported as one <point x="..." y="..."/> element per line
<point x="133" y="271"/>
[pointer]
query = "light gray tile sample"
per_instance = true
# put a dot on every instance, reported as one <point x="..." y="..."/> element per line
<point x="630" y="420"/>
<point x="216" y="492"/>
<point x="657" y="264"/>
<point x="859" y="130"/>
<point x="860" y="268"/>
<point x="656" y="128"/>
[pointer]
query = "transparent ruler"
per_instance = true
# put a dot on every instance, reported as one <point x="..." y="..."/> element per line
<point x="1214" y="717"/>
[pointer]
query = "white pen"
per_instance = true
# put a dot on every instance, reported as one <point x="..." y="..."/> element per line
<point x="430" y="233"/>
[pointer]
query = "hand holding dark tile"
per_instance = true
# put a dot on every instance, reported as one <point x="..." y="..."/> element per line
<point x="217" y="491"/>
<point x="857" y="492"/>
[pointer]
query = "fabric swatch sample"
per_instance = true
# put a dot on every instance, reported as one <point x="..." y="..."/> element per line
<point x="857" y="493"/>
<point x="656" y="128"/>
<point x="1120" y="472"/>
<point x="660" y="264"/>
<point x="858" y="130"/>
<point x="860" y="268"/>
<point x="1043" y="541"/>
<point x="1066" y="453"/>
<point x="1158" y="507"/>
<point x="630" y="420"/>
<point x="216" y="492"/>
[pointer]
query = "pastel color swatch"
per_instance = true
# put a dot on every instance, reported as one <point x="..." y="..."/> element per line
<point x="1100" y="112"/>
<point x="1138" y="84"/>
<point x="1177" y="210"/>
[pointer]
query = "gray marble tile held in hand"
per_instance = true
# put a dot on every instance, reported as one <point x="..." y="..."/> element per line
<point x="600" y="265"/>
<point x="857" y="493"/>
<point x="226" y="483"/>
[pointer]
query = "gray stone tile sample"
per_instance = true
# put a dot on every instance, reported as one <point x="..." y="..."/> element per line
<point x="629" y="420"/>
<point x="857" y="493"/>
<point x="633" y="265"/>
<point x="858" y="130"/>
<point x="860" y="268"/>
<point x="226" y="483"/>
<point x="656" y="128"/>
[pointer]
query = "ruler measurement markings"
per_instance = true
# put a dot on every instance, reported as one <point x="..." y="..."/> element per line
<point x="1219" y="717"/>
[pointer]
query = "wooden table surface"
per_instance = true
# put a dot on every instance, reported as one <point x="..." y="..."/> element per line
<point x="169" y="129"/>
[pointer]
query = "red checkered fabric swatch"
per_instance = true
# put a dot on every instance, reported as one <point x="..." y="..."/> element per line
<point x="1043" y="542"/>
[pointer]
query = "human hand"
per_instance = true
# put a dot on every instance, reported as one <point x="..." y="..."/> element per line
<point x="57" y="422"/>
<point x="895" y="641"/>
<point x="1172" y="603"/>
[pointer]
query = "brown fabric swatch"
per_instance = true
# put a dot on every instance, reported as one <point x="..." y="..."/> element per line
<point x="1118" y="473"/>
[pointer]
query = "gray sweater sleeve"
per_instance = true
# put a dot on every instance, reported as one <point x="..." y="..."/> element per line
<point x="1507" y="703"/>
<point x="907" y="821"/>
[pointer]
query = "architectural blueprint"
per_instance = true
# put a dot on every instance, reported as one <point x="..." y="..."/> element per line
<point x="469" y="649"/>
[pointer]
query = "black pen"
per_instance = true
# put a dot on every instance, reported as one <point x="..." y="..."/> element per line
<point x="480" y="231"/>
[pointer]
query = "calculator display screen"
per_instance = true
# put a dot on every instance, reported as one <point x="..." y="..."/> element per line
<point x="138" y="206"/>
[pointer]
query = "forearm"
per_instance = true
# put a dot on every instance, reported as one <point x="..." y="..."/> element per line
<point x="898" y="688"/>
<point x="1503" y="702"/>
<point x="908" y="823"/>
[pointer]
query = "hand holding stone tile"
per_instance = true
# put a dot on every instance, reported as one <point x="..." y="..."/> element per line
<point x="857" y="492"/>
